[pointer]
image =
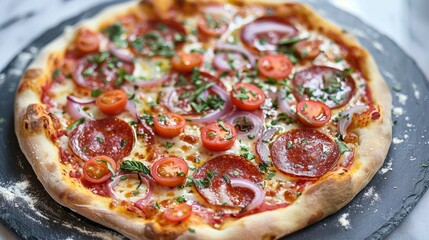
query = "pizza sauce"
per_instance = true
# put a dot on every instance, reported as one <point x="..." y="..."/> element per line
<point x="219" y="114"/>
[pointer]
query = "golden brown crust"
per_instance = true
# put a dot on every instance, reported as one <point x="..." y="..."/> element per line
<point x="35" y="128"/>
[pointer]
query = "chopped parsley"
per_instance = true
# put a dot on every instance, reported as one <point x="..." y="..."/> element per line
<point x="100" y="139"/>
<point x="76" y="123"/>
<point x="270" y="175"/>
<point x="169" y="145"/>
<point x="56" y="73"/>
<point x="96" y="92"/>
<point x="342" y="146"/>
<point x="152" y="44"/>
<point x="286" y="41"/>
<point x="116" y="34"/>
<point x="180" y="199"/>
<point x="226" y="178"/>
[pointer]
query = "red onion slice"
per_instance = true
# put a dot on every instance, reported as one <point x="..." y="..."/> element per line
<point x="284" y="103"/>
<point x="236" y="48"/>
<point x="218" y="113"/>
<point x="252" y="118"/>
<point x="77" y="73"/>
<point x="123" y="54"/>
<point x="74" y="107"/>
<point x="262" y="148"/>
<point x="345" y="118"/>
<point x="136" y="194"/>
<point x="259" y="197"/>
<point x="151" y="83"/>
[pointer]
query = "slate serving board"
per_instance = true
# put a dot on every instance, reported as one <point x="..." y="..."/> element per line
<point x="31" y="214"/>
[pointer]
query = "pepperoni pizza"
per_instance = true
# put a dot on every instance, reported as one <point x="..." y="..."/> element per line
<point x="204" y="119"/>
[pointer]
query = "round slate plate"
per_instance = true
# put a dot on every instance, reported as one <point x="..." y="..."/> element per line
<point x="30" y="213"/>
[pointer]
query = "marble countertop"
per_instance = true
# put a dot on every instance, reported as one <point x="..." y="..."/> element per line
<point x="404" y="21"/>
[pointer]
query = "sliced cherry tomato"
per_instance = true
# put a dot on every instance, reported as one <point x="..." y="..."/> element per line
<point x="219" y="136"/>
<point x="313" y="113"/>
<point x="170" y="171"/>
<point x="212" y="25"/>
<point x="275" y="66"/>
<point x="185" y="62"/>
<point x="178" y="213"/>
<point x="247" y="97"/>
<point x="87" y="41"/>
<point x="112" y="102"/>
<point x="308" y="49"/>
<point x="168" y="125"/>
<point x="97" y="169"/>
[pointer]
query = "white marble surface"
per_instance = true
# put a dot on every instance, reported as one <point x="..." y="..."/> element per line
<point x="405" y="21"/>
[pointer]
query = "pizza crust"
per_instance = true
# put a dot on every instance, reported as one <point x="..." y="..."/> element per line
<point x="34" y="127"/>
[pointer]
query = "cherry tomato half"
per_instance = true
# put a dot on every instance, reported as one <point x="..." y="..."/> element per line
<point x="87" y="41"/>
<point x="275" y="66"/>
<point x="247" y="96"/>
<point x="185" y="62"/>
<point x="112" y="102"/>
<point x="308" y="49"/>
<point x="170" y="171"/>
<point x="96" y="169"/>
<point x="313" y="113"/>
<point x="178" y="213"/>
<point x="168" y="125"/>
<point x="218" y="136"/>
<point x="212" y="25"/>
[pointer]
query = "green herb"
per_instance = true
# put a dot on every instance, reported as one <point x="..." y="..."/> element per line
<point x="287" y="40"/>
<point x="85" y="148"/>
<point x="136" y="192"/>
<point x="338" y="59"/>
<point x="269" y="176"/>
<point x="179" y="37"/>
<point x="222" y="125"/>
<point x="212" y="134"/>
<point x="88" y="72"/>
<point x="348" y="71"/>
<point x="56" y="73"/>
<point x="289" y="145"/>
<point x="169" y="145"/>
<point x="211" y="22"/>
<point x="250" y="136"/>
<point x="134" y="166"/>
<point x="100" y="139"/>
<point x="116" y="34"/>
<point x="153" y="44"/>
<point x="96" y="92"/>
<point x="191" y="230"/>
<point x="396" y="88"/>
<point x="204" y="182"/>
<point x="123" y="143"/>
<point x="263" y="41"/>
<point x="226" y="178"/>
<point x="181" y="174"/>
<point x="180" y="199"/>
<point x="123" y="177"/>
<point x="423" y="165"/>
<point x="248" y="155"/>
<point x="342" y="146"/>
<point x="157" y="206"/>
<point x="304" y="141"/>
<point x="263" y="167"/>
<point x="76" y="123"/>
<point x="98" y="58"/>
<point x="148" y="118"/>
<point x="109" y="166"/>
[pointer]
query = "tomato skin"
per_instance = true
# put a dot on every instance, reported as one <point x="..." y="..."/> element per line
<point x="215" y="138"/>
<point x="166" y="171"/>
<point x="308" y="49"/>
<point x="275" y="66"/>
<point x="178" y="213"/>
<point x="112" y="102"/>
<point x="186" y="62"/>
<point x="170" y="127"/>
<point x="313" y="113"/>
<point x="87" y="41"/>
<point x="205" y="28"/>
<point x="256" y="96"/>
<point x="95" y="170"/>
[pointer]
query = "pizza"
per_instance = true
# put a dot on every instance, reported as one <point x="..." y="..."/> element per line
<point x="204" y="119"/>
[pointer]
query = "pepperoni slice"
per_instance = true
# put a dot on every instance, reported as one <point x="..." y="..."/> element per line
<point x="329" y="85"/>
<point x="101" y="71"/>
<point x="111" y="137"/>
<point x="304" y="153"/>
<point x="264" y="33"/>
<point x="213" y="175"/>
<point x="157" y="38"/>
